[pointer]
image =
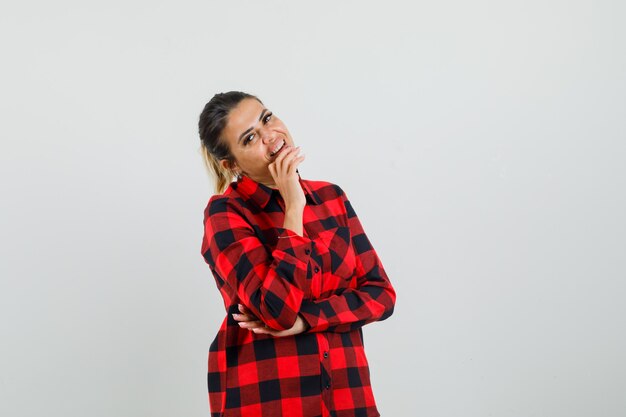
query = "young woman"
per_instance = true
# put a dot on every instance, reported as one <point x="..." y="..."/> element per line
<point x="297" y="273"/>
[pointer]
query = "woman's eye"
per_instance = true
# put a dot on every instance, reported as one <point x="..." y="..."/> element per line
<point x="265" y="120"/>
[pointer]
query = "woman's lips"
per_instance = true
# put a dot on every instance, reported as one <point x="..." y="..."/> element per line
<point x="280" y="150"/>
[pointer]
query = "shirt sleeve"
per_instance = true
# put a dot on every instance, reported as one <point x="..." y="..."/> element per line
<point x="271" y="284"/>
<point x="373" y="299"/>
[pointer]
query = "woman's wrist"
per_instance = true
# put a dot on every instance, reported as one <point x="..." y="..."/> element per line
<point x="293" y="220"/>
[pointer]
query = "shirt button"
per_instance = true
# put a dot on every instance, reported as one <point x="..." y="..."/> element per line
<point x="328" y="385"/>
<point x="317" y="270"/>
<point x="325" y="354"/>
<point x="307" y="251"/>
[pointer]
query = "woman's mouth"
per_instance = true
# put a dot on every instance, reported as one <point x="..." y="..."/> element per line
<point x="277" y="148"/>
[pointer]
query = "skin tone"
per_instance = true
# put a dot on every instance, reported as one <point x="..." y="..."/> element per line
<point x="253" y="133"/>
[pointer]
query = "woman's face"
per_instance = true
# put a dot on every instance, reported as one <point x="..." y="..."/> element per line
<point x="253" y="133"/>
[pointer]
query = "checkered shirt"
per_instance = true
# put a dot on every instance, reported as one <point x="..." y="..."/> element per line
<point x="331" y="276"/>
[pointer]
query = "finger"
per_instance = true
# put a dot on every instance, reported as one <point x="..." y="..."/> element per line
<point x="291" y="164"/>
<point x="260" y="330"/>
<point x="251" y="324"/>
<point x="244" y="317"/>
<point x="287" y="163"/>
<point x="283" y="154"/>
<point x="272" y="168"/>
<point x="271" y="332"/>
<point x="246" y="313"/>
<point x="293" y="167"/>
<point x="281" y="157"/>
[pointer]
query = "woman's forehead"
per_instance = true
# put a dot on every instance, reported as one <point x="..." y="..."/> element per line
<point x="245" y="115"/>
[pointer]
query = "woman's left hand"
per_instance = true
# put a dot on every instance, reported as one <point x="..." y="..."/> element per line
<point x="249" y="321"/>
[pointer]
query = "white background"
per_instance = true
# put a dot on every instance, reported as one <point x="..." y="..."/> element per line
<point x="481" y="143"/>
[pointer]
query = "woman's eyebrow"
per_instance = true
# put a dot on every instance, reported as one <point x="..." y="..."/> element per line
<point x="250" y="128"/>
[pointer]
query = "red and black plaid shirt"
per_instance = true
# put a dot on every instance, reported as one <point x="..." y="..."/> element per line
<point x="331" y="276"/>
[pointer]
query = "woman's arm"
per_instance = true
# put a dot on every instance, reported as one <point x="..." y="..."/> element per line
<point x="373" y="299"/>
<point x="272" y="287"/>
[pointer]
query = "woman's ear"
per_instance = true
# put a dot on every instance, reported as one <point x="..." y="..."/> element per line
<point x="227" y="165"/>
<point x="230" y="166"/>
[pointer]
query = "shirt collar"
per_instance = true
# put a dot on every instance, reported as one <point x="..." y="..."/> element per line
<point x="261" y="193"/>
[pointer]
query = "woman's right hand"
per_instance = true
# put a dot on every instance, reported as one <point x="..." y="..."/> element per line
<point x="283" y="170"/>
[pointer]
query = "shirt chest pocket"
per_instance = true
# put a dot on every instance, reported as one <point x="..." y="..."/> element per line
<point x="339" y="263"/>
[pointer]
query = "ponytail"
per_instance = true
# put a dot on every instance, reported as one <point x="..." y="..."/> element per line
<point x="213" y="147"/>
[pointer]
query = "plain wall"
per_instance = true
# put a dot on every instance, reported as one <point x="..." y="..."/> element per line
<point x="481" y="143"/>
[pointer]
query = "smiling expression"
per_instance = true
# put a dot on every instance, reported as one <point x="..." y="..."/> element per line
<point x="253" y="134"/>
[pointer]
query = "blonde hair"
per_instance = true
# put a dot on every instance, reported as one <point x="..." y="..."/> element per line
<point x="222" y="177"/>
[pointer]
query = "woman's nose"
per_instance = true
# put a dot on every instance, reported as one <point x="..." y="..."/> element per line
<point x="267" y="137"/>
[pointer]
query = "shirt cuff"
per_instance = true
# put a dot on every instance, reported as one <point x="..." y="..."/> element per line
<point x="313" y="316"/>
<point x="293" y="253"/>
<point x="293" y="244"/>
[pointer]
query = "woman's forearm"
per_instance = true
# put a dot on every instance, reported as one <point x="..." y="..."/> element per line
<point x="293" y="220"/>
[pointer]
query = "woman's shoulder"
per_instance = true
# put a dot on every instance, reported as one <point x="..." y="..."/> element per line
<point x="226" y="201"/>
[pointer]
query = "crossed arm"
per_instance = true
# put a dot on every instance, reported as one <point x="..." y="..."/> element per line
<point x="276" y="292"/>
